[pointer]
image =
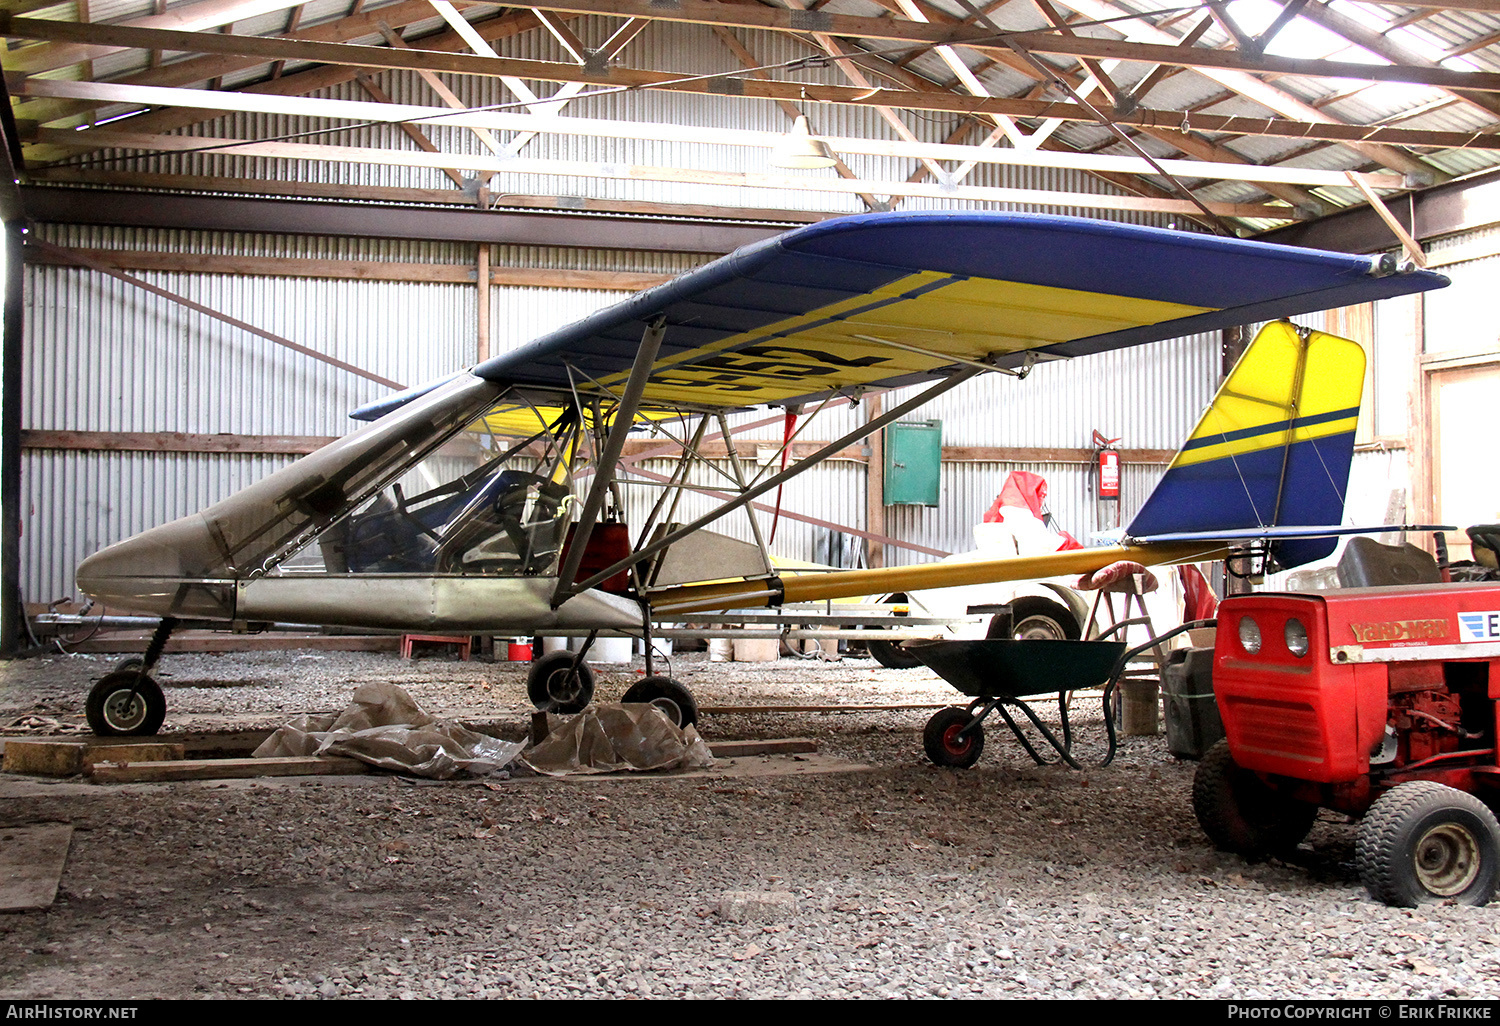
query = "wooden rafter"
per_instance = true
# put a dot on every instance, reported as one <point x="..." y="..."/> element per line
<point x="454" y="115"/>
<point x="1321" y="127"/>
<point x="634" y="172"/>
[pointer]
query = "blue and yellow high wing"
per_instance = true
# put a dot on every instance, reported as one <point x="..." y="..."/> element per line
<point x="879" y="301"/>
<point x="430" y="519"/>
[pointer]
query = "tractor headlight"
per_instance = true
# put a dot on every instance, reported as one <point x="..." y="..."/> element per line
<point x="1249" y="635"/>
<point x="1296" y="637"/>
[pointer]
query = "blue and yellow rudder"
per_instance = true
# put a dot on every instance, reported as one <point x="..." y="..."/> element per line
<point x="1273" y="449"/>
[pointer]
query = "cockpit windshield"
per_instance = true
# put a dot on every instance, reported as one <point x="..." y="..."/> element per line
<point x="484" y="502"/>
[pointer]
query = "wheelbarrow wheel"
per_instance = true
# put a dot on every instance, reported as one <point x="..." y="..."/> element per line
<point x="943" y="745"/>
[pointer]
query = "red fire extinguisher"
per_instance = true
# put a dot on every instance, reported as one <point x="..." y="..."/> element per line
<point x="1107" y="467"/>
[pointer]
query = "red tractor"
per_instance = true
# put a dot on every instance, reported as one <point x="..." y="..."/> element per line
<point x="1378" y="702"/>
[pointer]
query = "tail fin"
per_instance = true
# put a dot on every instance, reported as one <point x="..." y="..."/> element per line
<point x="1272" y="451"/>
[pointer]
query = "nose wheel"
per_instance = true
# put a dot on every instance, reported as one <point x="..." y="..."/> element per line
<point x="125" y="703"/>
<point x="560" y="682"/>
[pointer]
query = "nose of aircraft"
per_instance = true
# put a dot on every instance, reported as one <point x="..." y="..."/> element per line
<point x="167" y="571"/>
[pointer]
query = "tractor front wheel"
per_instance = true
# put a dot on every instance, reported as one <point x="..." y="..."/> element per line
<point x="1423" y="842"/>
<point x="1241" y="813"/>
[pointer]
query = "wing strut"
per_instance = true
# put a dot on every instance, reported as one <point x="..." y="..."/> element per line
<point x="604" y="466"/>
<point x="896" y="412"/>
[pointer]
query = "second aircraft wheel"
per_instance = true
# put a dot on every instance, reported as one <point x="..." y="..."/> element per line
<point x="943" y="745"/>
<point x="670" y="696"/>
<point x="553" y="686"/>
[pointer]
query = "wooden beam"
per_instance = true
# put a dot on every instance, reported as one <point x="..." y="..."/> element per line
<point x="1318" y="127"/>
<point x="482" y="306"/>
<point x="1412" y="247"/>
<point x="195" y="70"/>
<point x="188" y="18"/>
<point x="335" y="190"/>
<point x="354" y="270"/>
<point x="414" y="133"/>
<point x="751" y="448"/>
<point x="177" y="441"/>
<point x="641" y="172"/>
<point x="875" y="487"/>
<point x="173" y="441"/>
<point x="704" y="12"/>
<point x="105" y="268"/>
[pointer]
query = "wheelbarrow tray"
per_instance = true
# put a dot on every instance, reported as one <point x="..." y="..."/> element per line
<point x="1009" y="668"/>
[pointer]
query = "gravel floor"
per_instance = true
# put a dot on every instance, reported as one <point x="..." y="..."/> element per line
<point x="889" y="878"/>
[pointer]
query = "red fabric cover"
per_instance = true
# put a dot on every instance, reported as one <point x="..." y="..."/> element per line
<point x="1198" y="599"/>
<point x="1029" y="491"/>
<point x="1021" y="488"/>
<point x="1117" y="577"/>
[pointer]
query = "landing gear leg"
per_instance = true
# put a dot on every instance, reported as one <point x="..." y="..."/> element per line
<point x="127" y="701"/>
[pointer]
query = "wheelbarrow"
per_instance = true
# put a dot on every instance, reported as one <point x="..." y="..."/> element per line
<point x="1001" y="673"/>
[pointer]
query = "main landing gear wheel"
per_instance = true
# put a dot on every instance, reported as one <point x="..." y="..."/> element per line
<point x="553" y="686"/>
<point x="943" y="745"/>
<point x="670" y="696"/>
<point x="1423" y="842"/>
<point x="1241" y="813"/>
<point x="125" y="703"/>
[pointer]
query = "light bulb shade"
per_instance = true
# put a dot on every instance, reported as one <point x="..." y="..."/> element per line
<point x="800" y="151"/>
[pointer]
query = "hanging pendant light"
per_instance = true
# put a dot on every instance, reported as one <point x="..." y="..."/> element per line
<point x="799" y="150"/>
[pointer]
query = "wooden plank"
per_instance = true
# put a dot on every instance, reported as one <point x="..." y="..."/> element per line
<point x="43" y="758"/>
<point x="31" y="864"/>
<point x="172" y="441"/>
<point x="355" y="270"/>
<point x="49" y="758"/>
<point x="140" y="751"/>
<point x="951" y="453"/>
<point x="226" y="769"/>
<point x="769" y="746"/>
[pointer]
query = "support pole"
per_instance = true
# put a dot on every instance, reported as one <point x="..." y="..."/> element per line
<point x="604" y="464"/>
<point x="875" y="486"/>
<point x="11" y="611"/>
<point x="482" y="279"/>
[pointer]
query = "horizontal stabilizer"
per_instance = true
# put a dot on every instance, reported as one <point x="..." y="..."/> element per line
<point x="1276" y="533"/>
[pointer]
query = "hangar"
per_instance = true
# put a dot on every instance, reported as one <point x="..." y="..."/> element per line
<point x="230" y="223"/>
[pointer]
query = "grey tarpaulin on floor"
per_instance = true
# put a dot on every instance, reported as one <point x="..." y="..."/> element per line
<point x="385" y="727"/>
<point x="609" y="737"/>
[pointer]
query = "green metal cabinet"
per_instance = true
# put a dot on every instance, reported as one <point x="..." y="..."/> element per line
<point x="913" y="462"/>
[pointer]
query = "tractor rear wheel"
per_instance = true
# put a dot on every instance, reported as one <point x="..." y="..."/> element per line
<point x="1423" y="842"/>
<point x="1241" y="813"/>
